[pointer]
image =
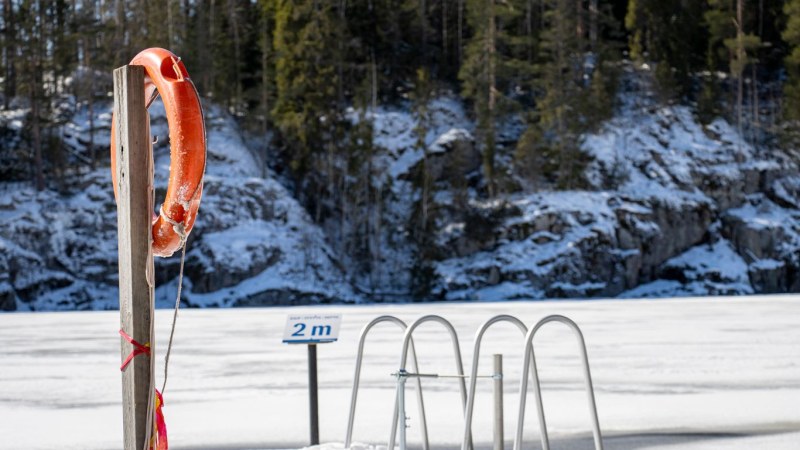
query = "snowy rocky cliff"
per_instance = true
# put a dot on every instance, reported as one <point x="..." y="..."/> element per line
<point x="674" y="208"/>
<point x="252" y="244"/>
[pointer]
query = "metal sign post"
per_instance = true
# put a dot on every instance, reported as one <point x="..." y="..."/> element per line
<point x="312" y="329"/>
<point x="497" y="385"/>
<point x="313" y="399"/>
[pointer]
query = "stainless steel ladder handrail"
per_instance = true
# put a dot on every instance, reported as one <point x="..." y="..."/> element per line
<point x="530" y="362"/>
<point x="401" y="379"/>
<point x="357" y="379"/>
<point x="474" y="370"/>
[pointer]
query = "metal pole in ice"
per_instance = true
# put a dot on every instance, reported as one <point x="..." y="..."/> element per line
<point x="497" y="382"/>
<point x="402" y="376"/>
<point x="313" y="394"/>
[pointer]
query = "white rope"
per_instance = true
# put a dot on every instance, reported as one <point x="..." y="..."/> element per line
<point x="174" y="315"/>
<point x="151" y="399"/>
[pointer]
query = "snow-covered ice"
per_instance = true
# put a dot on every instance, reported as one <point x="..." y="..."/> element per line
<point x="683" y="373"/>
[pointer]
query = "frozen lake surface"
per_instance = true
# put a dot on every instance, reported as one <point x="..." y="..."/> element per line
<point x="668" y="374"/>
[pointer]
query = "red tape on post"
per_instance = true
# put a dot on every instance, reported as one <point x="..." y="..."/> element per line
<point x="138" y="349"/>
<point x="159" y="439"/>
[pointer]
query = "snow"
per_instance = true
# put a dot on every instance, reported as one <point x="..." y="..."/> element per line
<point x="13" y="118"/>
<point x="394" y="132"/>
<point x="499" y="292"/>
<point x="452" y="135"/>
<point x="787" y="190"/>
<point x="719" y="258"/>
<point x="767" y="264"/>
<point x="656" y="289"/>
<point x="763" y="214"/>
<point x="651" y="150"/>
<point x="677" y="374"/>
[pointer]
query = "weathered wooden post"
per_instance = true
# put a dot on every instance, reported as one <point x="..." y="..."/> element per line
<point x="134" y="213"/>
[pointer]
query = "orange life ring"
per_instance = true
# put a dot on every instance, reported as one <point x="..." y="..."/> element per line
<point x="166" y="73"/>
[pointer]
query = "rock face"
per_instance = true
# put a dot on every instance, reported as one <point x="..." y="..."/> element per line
<point x="768" y="238"/>
<point x="678" y="209"/>
<point x="252" y="244"/>
<point x="452" y="155"/>
<point x="8" y="300"/>
<point x="571" y="244"/>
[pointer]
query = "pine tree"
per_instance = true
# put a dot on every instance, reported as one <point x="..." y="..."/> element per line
<point x="731" y="46"/>
<point x="307" y="112"/>
<point x="671" y="34"/>
<point x="363" y="187"/>
<point x="31" y="15"/>
<point x="489" y="67"/>
<point x="267" y="25"/>
<point x="569" y="105"/>
<point x="422" y="96"/>
<point x="201" y="34"/>
<point x="742" y="49"/>
<point x="383" y="44"/>
<point x="635" y="20"/>
<point x="89" y="25"/>
<point x="561" y="76"/>
<point x="422" y="218"/>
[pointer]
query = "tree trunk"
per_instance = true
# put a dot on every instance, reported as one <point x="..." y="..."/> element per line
<point x="9" y="50"/>
<point x="579" y="31"/>
<point x="529" y="28"/>
<point x="343" y="242"/>
<point x="423" y="16"/>
<point x="234" y="17"/>
<point x="211" y="43"/>
<point x="492" y="99"/>
<point x="460" y="19"/>
<point x="265" y="36"/>
<point x="170" y="26"/>
<point x="425" y="185"/>
<point x="119" y="18"/>
<point x="444" y="31"/>
<point x="740" y="56"/>
<point x="340" y="57"/>
<point x="200" y="47"/>
<point x="593" y="17"/>
<point x="36" y="130"/>
<point x="756" y="126"/>
<point x="92" y="151"/>
<point x="87" y="62"/>
<point x="377" y="229"/>
<point x="756" y="105"/>
<point x="491" y="43"/>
